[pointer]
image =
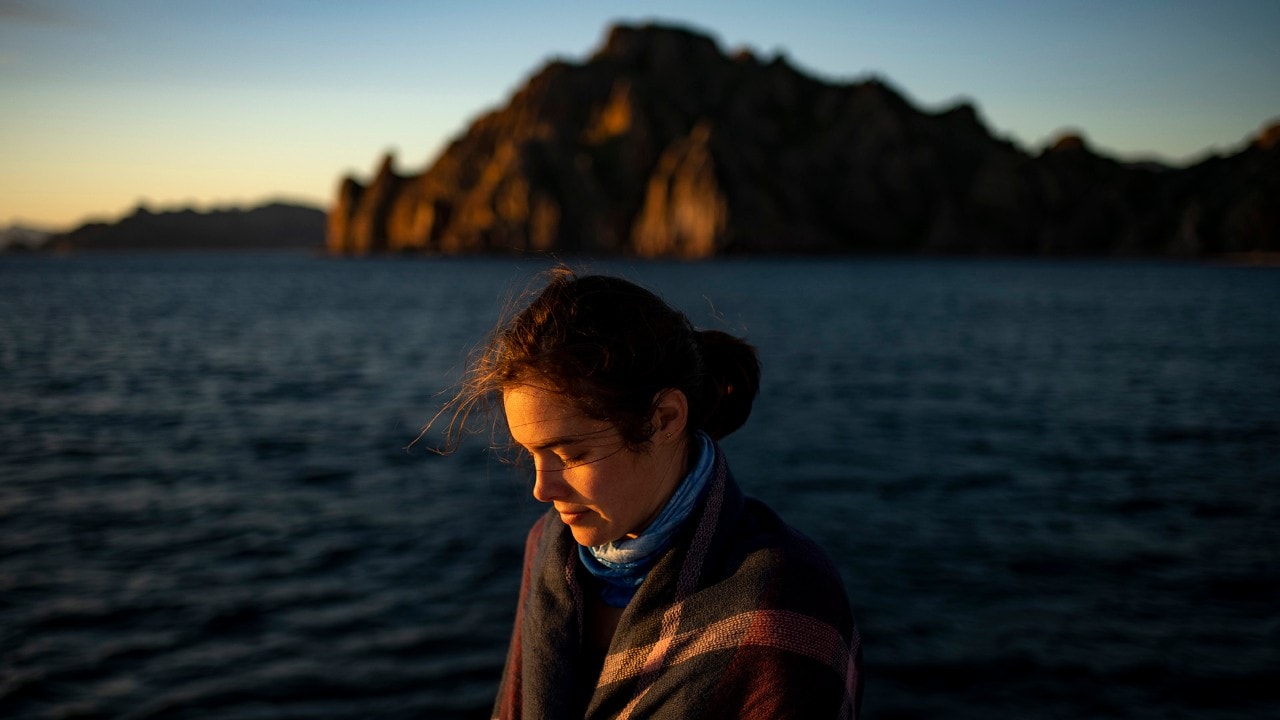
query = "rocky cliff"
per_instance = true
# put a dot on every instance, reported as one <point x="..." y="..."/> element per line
<point x="271" y="226"/>
<point x="660" y="144"/>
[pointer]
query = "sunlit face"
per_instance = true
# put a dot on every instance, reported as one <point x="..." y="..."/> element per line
<point x="602" y="490"/>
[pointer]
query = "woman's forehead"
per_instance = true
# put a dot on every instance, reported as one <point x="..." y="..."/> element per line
<point x="538" y="417"/>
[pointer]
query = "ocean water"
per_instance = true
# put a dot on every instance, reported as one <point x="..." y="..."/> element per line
<point x="1052" y="488"/>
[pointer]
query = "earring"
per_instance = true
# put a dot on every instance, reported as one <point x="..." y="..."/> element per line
<point x="668" y="436"/>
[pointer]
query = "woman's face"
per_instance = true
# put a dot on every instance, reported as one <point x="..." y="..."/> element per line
<point x="602" y="490"/>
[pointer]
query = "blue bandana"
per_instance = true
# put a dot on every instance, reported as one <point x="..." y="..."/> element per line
<point x="623" y="564"/>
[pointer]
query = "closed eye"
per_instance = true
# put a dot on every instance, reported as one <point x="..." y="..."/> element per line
<point x="587" y="457"/>
<point x="563" y="453"/>
<point x="558" y="461"/>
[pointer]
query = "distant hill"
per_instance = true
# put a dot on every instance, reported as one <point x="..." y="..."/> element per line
<point x="271" y="226"/>
<point x="22" y="238"/>
<point x="660" y="144"/>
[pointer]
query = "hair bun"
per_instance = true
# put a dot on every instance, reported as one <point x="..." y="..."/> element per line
<point x="731" y="381"/>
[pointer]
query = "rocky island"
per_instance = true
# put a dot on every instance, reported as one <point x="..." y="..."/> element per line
<point x="273" y="226"/>
<point x="662" y="145"/>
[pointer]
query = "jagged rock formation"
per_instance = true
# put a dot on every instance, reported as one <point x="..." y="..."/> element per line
<point x="661" y="145"/>
<point x="271" y="226"/>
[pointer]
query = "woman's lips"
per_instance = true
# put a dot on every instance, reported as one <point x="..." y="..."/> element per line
<point x="569" y="516"/>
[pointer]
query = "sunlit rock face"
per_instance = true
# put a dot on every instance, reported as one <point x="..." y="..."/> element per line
<point x="660" y="144"/>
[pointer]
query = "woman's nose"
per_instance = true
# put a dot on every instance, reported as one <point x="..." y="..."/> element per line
<point x="547" y="486"/>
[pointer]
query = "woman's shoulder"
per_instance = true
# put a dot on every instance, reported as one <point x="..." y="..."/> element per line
<point x="800" y="573"/>
<point x="544" y="537"/>
<point x="764" y="528"/>
<point x="536" y="531"/>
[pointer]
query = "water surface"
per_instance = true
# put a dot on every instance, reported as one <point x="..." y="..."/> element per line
<point x="1051" y="487"/>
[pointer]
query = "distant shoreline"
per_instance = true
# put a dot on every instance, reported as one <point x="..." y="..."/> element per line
<point x="1246" y="259"/>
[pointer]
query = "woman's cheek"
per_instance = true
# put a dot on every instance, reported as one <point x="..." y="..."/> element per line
<point x="583" y="480"/>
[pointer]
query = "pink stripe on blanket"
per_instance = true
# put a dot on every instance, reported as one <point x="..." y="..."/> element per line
<point x="779" y="629"/>
<point x="692" y="569"/>
<point x="575" y="591"/>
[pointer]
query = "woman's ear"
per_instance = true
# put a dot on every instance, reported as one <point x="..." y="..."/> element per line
<point x="670" y="415"/>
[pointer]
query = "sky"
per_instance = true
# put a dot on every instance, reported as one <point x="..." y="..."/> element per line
<point x="105" y="104"/>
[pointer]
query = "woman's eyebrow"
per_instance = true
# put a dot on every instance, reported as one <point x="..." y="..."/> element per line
<point x="550" y="443"/>
<point x="554" y="442"/>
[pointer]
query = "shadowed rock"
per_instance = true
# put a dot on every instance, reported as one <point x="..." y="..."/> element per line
<point x="659" y="144"/>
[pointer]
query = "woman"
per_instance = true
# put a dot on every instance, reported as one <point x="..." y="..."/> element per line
<point x="652" y="588"/>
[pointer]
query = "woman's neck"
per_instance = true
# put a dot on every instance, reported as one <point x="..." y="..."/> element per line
<point x="672" y="466"/>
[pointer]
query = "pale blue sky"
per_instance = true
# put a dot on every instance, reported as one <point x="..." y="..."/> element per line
<point x="107" y="103"/>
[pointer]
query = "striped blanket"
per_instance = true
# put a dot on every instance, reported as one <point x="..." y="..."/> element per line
<point x="742" y="618"/>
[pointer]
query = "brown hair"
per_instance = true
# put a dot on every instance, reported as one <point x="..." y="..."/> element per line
<point x="611" y="346"/>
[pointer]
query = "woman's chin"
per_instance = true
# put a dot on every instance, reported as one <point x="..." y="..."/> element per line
<point x="590" y="536"/>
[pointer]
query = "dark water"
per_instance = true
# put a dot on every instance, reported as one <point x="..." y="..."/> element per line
<point x="1052" y="488"/>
